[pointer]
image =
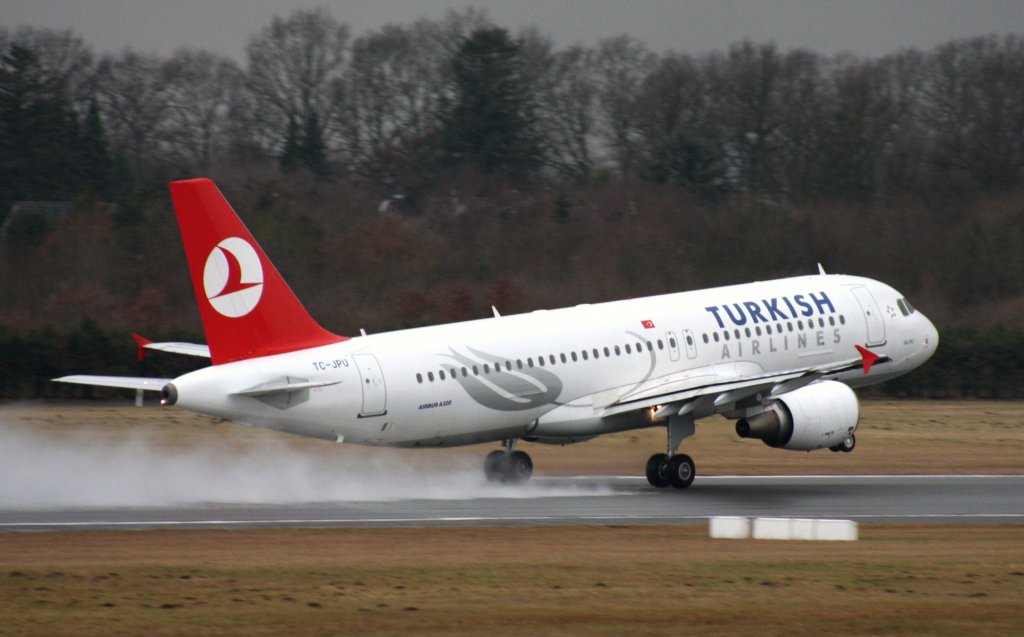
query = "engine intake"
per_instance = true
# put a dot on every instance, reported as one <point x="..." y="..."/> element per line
<point x="812" y="417"/>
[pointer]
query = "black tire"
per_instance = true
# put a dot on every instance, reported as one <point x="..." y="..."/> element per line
<point x="492" y="466"/>
<point x="657" y="470"/>
<point x="848" y="444"/>
<point x="681" y="471"/>
<point x="517" y="467"/>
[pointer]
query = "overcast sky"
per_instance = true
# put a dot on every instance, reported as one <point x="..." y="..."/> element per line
<point x="863" y="27"/>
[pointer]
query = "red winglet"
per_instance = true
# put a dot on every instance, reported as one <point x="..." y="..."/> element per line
<point x="868" y="357"/>
<point x="141" y="342"/>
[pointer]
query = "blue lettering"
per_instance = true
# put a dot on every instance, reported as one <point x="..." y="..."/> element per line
<point x="773" y="309"/>
<point x="742" y="320"/>
<point x="822" y="303"/>
<point x="808" y="310"/>
<point x="714" y="311"/>
<point x="792" y="311"/>
<point x="755" y="312"/>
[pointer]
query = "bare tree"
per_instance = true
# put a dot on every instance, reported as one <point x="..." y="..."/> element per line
<point x="133" y="100"/>
<point x="752" y="113"/>
<point x="976" y="92"/>
<point x="568" y="112"/>
<point x="199" y="89"/>
<point x="294" y="80"/>
<point x="65" y="59"/>
<point x="392" y="98"/>
<point x="622" y="63"/>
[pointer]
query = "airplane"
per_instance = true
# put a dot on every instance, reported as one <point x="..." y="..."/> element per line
<point x="780" y="357"/>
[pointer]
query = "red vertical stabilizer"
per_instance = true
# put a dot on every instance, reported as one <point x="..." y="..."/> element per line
<point x="247" y="308"/>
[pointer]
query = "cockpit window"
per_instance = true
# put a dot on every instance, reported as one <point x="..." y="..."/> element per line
<point x="905" y="307"/>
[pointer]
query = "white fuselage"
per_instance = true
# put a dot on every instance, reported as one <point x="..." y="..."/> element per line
<point x="553" y="375"/>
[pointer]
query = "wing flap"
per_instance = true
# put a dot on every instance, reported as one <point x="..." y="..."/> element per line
<point x="724" y="389"/>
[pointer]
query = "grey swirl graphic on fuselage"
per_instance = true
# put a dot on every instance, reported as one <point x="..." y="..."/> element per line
<point x="508" y="389"/>
<point x="650" y="370"/>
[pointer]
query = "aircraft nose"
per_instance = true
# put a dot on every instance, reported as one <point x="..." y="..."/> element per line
<point x="931" y="337"/>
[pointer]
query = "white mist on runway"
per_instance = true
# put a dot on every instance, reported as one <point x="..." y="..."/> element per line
<point x="39" y="471"/>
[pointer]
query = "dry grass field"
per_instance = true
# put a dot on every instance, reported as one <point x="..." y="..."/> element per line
<point x="511" y="581"/>
<point x="613" y="580"/>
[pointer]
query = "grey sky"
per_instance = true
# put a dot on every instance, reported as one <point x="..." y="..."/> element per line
<point x="863" y="27"/>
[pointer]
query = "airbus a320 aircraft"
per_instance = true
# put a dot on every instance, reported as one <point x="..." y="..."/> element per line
<point x="780" y="357"/>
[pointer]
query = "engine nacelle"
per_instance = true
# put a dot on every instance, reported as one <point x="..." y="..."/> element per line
<point x="813" y="417"/>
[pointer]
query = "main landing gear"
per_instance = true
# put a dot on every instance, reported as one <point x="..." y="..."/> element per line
<point x="508" y="465"/>
<point x="672" y="469"/>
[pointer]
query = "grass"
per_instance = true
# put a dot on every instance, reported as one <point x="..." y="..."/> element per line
<point x="511" y="581"/>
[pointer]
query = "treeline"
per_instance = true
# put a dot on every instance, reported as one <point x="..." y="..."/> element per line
<point x="423" y="173"/>
<point x="402" y="106"/>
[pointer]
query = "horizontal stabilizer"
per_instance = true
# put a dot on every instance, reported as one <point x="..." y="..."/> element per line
<point x="121" y="382"/>
<point x="188" y="349"/>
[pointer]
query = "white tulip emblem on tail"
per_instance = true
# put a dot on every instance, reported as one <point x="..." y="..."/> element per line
<point x="233" y="278"/>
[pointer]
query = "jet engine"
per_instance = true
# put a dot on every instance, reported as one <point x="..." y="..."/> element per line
<point x="813" y="417"/>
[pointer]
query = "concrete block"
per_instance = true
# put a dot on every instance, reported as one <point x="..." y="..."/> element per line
<point x="837" y="530"/>
<point x="770" y="529"/>
<point x="803" y="529"/>
<point x="730" y="527"/>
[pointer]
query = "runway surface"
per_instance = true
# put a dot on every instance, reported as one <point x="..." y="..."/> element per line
<point x="614" y="500"/>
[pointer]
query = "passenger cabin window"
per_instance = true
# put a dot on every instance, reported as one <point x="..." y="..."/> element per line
<point x="419" y="378"/>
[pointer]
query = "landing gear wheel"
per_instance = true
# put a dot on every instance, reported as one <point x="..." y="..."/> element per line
<point x="501" y="466"/>
<point x="681" y="471"/>
<point x="517" y="467"/>
<point x="657" y="470"/>
<point x="492" y="465"/>
<point x="848" y="444"/>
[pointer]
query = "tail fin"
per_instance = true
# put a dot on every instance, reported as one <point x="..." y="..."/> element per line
<point x="247" y="308"/>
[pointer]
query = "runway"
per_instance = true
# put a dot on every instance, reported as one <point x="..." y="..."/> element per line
<point x="591" y="500"/>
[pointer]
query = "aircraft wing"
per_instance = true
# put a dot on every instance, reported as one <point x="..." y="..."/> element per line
<point x="122" y="382"/>
<point x="711" y="387"/>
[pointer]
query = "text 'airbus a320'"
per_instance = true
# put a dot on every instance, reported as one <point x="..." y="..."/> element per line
<point x="780" y="357"/>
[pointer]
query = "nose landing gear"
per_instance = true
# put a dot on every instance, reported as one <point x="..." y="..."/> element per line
<point x="847" y="445"/>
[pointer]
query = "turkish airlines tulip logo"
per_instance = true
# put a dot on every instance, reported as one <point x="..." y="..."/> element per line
<point x="233" y="277"/>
